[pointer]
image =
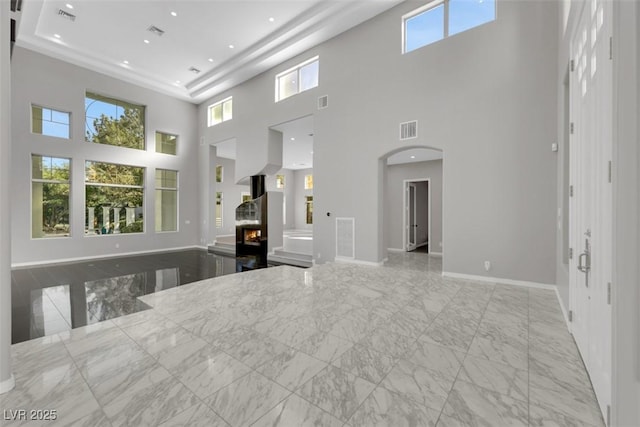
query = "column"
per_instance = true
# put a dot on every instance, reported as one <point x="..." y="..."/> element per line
<point x="116" y="220"/>
<point x="130" y="216"/>
<point x="105" y="219"/>
<point x="91" y="217"/>
<point x="6" y="377"/>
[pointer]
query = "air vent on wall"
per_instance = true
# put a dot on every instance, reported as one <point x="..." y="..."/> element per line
<point x="66" y="15"/>
<point x="345" y="238"/>
<point x="409" y="130"/>
<point x="323" y="102"/>
<point x="155" y="30"/>
<point x="194" y="70"/>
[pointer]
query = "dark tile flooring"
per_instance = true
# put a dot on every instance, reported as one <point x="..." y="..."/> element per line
<point x="55" y="298"/>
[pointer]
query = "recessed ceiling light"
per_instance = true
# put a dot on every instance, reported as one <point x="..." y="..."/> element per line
<point x="69" y="5"/>
<point x="146" y="41"/>
<point x="174" y="14"/>
<point x="231" y="46"/>
<point x="312" y="152"/>
<point x="210" y="59"/>
<point x="125" y="62"/>
<point x="293" y="139"/>
<point x="413" y="157"/>
<point x="177" y="81"/>
<point x="271" y="19"/>
<point x="56" y="36"/>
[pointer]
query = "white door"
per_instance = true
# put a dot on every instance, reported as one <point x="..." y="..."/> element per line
<point x="410" y="223"/>
<point x="591" y="203"/>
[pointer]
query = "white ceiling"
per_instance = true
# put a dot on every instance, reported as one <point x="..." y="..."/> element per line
<point x="105" y="33"/>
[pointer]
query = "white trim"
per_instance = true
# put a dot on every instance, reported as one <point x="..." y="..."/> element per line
<point x="564" y="311"/>
<point x="395" y="250"/>
<point x="7" y="385"/>
<point x="358" y="262"/>
<point x="96" y="257"/>
<point x="502" y="281"/>
<point x="435" y="253"/>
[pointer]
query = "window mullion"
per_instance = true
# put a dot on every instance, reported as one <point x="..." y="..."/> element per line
<point x="446" y="18"/>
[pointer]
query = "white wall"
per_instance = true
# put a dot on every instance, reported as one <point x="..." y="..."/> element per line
<point x="626" y="194"/>
<point x="394" y="205"/>
<point x="487" y="97"/>
<point x="6" y="378"/>
<point x="51" y="83"/>
<point x="288" y="193"/>
<point x="231" y="196"/>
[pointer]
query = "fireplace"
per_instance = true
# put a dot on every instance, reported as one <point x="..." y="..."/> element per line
<point x="252" y="236"/>
<point x="251" y="228"/>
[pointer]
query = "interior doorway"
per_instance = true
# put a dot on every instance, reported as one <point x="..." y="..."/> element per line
<point x="417" y="218"/>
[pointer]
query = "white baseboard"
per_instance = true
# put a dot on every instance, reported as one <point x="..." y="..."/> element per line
<point x="501" y="281"/>
<point x="358" y="262"/>
<point x="88" y="258"/>
<point x="435" y="253"/>
<point x="395" y="250"/>
<point x="565" y="314"/>
<point x="8" y="384"/>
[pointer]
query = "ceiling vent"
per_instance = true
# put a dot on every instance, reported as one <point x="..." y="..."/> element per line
<point x="66" y="15"/>
<point x="409" y="130"/>
<point x="155" y="30"/>
<point x="194" y="70"/>
<point x="323" y="102"/>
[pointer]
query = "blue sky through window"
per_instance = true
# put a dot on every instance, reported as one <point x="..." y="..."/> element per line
<point x="466" y="14"/>
<point x="424" y="28"/>
<point x="428" y="26"/>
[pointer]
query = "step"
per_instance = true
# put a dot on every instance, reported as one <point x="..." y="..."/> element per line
<point x="222" y="249"/>
<point x="290" y="258"/>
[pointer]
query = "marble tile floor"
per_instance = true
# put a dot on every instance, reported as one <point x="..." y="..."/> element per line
<point x="55" y="298"/>
<point x="333" y="345"/>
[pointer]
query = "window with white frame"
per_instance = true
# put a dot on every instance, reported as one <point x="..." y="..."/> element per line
<point x="50" y="122"/>
<point x="166" y="200"/>
<point x="219" y="209"/>
<point x="443" y="18"/>
<point x="114" y="196"/>
<point x="219" y="173"/>
<point x="50" y="185"/>
<point x="220" y="111"/>
<point x="303" y="76"/>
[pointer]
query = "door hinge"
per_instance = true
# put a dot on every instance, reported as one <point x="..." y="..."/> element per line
<point x="609" y="293"/>
<point x="570" y="253"/>
<point x="608" y="415"/>
<point x="570" y="315"/>
<point x="571" y="128"/>
<point x="571" y="191"/>
<point x="572" y="65"/>
<point x="610" y="171"/>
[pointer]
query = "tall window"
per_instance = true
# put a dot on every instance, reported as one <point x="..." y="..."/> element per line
<point x="302" y="77"/>
<point x="114" y="196"/>
<point x="49" y="196"/>
<point x="219" y="173"/>
<point x="114" y="122"/>
<point x="308" y="182"/>
<point x="50" y="122"/>
<point x="166" y="143"/>
<point x="309" y="209"/>
<point x="219" y="209"/>
<point x="166" y="200"/>
<point x="442" y="18"/>
<point x="220" y="111"/>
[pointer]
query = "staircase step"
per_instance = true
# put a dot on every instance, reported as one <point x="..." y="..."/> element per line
<point x="299" y="260"/>
<point x="222" y="249"/>
<point x="294" y="255"/>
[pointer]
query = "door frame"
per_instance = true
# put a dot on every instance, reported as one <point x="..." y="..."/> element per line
<point x="405" y="207"/>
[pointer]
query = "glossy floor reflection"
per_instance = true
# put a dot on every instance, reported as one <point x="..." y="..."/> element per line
<point x="51" y="299"/>
<point x="332" y="345"/>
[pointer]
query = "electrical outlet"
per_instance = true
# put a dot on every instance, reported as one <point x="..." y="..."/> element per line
<point x="487" y="265"/>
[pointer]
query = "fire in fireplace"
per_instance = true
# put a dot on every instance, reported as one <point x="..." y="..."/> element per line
<point x="252" y="237"/>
